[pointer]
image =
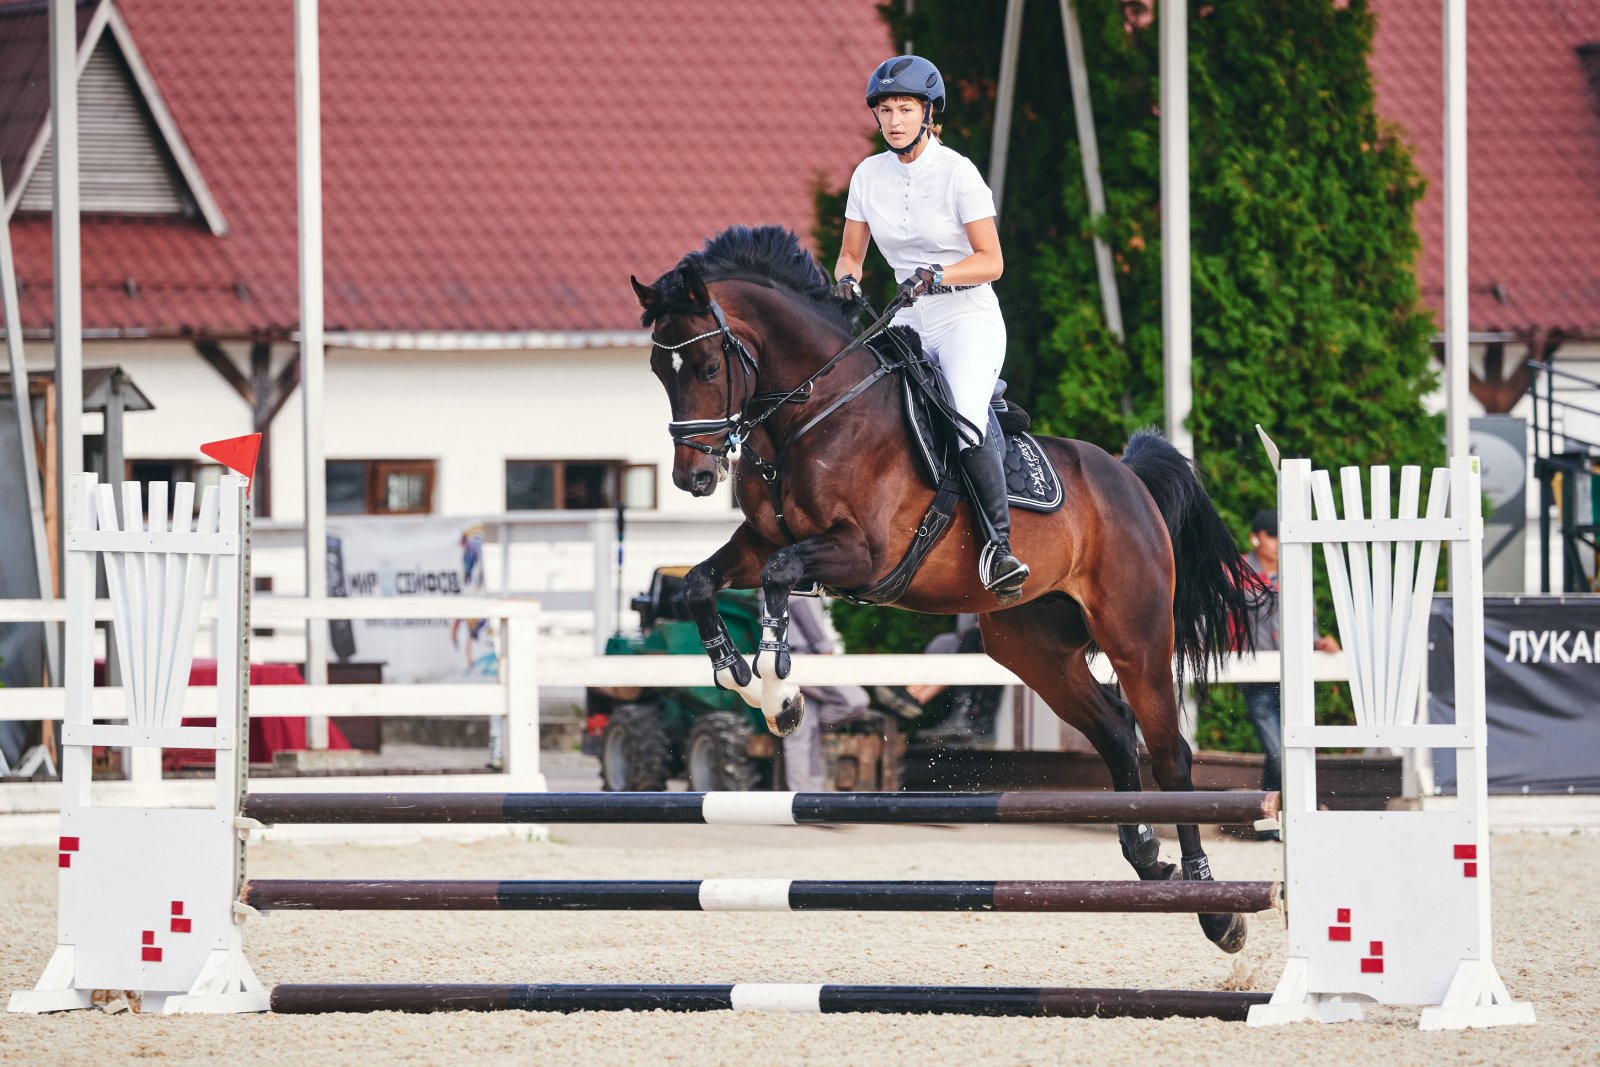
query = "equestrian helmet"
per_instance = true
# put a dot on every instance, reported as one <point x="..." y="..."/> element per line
<point x="906" y="76"/>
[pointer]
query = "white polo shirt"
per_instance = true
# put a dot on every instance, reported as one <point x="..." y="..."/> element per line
<point x="918" y="211"/>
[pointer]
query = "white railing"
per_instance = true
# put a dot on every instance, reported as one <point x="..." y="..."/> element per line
<point x="878" y="670"/>
<point x="514" y="700"/>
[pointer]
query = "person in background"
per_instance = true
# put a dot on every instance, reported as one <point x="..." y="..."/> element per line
<point x="1261" y="699"/>
<point x="973" y="708"/>
<point x="827" y="706"/>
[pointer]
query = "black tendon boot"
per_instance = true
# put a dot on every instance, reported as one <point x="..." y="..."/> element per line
<point x="984" y="464"/>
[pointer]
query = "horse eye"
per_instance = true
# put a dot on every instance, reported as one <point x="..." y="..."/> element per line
<point x="710" y="371"/>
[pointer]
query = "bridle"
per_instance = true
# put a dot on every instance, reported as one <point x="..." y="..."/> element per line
<point x="683" y="432"/>
<point x="756" y="408"/>
<point x="736" y="425"/>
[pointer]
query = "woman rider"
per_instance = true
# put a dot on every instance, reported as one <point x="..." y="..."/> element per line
<point x="926" y="205"/>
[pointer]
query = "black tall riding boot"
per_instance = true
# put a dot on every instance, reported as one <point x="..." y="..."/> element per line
<point x="984" y="464"/>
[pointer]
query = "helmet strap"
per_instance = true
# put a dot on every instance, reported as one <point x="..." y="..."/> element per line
<point x="927" y="124"/>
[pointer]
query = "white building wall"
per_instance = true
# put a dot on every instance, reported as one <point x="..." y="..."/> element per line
<point x="470" y="412"/>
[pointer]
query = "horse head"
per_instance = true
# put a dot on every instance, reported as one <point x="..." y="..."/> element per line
<point x="706" y="369"/>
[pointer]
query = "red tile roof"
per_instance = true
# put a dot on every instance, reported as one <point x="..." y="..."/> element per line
<point x="1533" y="144"/>
<point x="492" y="166"/>
<point x="491" y="170"/>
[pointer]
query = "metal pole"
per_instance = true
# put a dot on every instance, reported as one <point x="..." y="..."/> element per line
<point x="308" y="170"/>
<point x="1542" y="465"/>
<point x="1089" y="151"/>
<point x="1005" y="98"/>
<point x="1456" y="349"/>
<point x="1175" y="313"/>
<point x="18" y="359"/>
<point x="66" y="245"/>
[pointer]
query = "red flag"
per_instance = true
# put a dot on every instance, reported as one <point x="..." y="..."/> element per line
<point x="236" y="453"/>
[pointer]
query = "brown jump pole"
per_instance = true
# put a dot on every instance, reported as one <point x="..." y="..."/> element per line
<point x="990" y="1001"/>
<point x="757" y="895"/>
<point x="652" y="808"/>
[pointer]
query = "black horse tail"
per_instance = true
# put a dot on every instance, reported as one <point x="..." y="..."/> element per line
<point x="1216" y="589"/>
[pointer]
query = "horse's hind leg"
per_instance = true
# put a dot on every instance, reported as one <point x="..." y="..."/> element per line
<point x="1146" y="677"/>
<point x="1043" y="643"/>
<point x="1108" y="723"/>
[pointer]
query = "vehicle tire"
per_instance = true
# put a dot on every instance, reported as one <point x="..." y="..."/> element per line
<point x="635" y="750"/>
<point x="716" y="756"/>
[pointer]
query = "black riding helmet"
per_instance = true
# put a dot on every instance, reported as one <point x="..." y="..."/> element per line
<point x="910" y="76"/>
<point x="906" y="76"/>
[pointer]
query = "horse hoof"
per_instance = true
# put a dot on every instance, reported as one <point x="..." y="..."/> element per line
<point x="787" y="721"/>
<point x="1227" y="932"/>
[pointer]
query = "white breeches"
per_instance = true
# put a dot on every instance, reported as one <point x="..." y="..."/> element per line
<point x="964" y="335"/>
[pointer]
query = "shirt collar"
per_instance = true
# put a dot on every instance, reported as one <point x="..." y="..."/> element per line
<point x="922" y="162"/>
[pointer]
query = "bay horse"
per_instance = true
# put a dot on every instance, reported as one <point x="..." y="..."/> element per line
<point x="1138" y="564"/>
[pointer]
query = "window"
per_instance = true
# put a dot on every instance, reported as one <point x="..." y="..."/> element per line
<point x="380" y="486"/>
<point x="578" y="484"/>
<point x="171" y="471"/>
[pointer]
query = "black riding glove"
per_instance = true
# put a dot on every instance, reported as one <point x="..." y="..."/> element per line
<point x="922" y="279"/>
<point x="847" y="288"/>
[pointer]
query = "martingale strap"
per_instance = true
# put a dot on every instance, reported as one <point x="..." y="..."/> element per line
<point x="933" y="526"/>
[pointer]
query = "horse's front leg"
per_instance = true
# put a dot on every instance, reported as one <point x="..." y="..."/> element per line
<point x="736" y="564"/>
<point x="838" y="560"/>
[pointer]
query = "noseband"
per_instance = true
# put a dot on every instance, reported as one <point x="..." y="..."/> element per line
<point x="683" y="433"/>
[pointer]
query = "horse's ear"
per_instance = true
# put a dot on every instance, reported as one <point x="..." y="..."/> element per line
<point x="648" y="297"/>
<point x="695" y="288"/>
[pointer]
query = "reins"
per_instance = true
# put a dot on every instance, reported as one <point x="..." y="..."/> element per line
<point x="736" y="426"/>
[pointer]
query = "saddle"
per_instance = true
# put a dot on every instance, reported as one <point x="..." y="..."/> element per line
<point x="1031" y="482"/>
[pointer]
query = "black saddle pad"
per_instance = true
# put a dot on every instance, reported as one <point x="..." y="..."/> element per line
<point x="1031" y="482"/>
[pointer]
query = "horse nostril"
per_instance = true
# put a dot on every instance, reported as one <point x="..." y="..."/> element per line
<point x="703" y="481"/>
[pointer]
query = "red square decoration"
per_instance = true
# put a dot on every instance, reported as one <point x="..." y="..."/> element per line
<point x="1469" y="870"/>
<point x="69" y="844"/>
<point x="1375" y="948"/>
<point x="151" y="955"/>
<point x="180" y="926"/>
<point x="1338" y="933"/>
<point x="1466" y="852"/>
<point x="1343" y="915"/>
<point x="64" y="860"/>
<point x="1371" y="966"/>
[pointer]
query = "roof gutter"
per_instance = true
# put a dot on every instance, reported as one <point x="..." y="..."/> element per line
<point x="463" y="341"/>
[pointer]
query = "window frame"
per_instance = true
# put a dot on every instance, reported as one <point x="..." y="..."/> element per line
<point x="619" y="468"/>
<point x="375" y="472"/>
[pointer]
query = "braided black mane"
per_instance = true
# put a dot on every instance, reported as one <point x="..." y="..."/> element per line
<point x="767" y="255"/>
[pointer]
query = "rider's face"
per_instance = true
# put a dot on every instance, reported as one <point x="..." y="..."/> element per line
<point x="899" y="117"/>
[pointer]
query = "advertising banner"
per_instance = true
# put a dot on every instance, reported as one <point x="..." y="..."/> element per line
<point x="1542" y="674"/>
<point x="411" y="556"/>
